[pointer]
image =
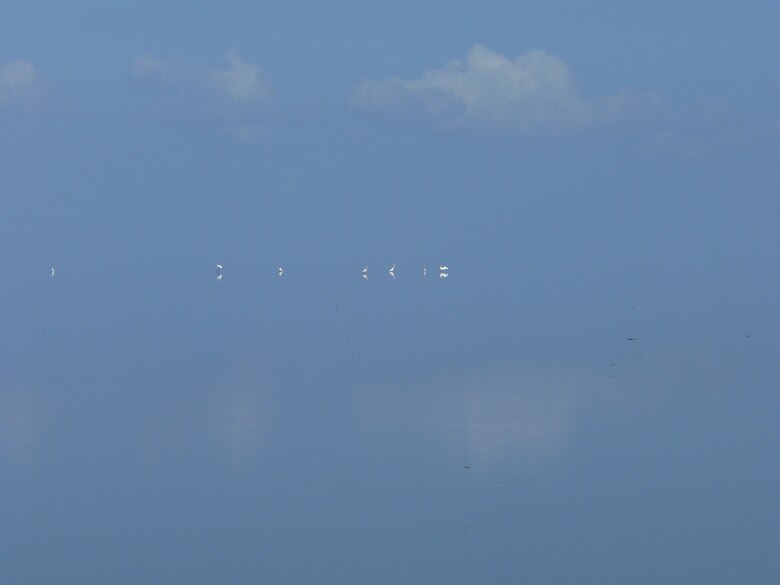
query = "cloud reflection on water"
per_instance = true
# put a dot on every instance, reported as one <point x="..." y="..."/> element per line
<point x="511" y="420"/>
<point x="228" y="413"/>
<point x="20" y="424"/>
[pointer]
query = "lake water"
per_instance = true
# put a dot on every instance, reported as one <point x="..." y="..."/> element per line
<point x="497" y="426"/>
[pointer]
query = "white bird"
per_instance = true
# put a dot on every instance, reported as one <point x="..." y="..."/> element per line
<point x="391" y="272"/>
<point x="443" y="274"/>
<point x="444" y="268"/>
<point x="425" y="271"/>
<point x="219" y="276"/>
<point x="280" y="271"/>
<point x="219" y="266"/>
<point x="52" y="271"/>
<point x="365" y="270"/>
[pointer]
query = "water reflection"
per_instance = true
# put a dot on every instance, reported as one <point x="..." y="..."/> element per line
<point x="507" y="422"/>
<point x="531" y="430"/>
<point x="241" y="423"/>
<point x="20" y="424"/>
<point x="228" y="415"/>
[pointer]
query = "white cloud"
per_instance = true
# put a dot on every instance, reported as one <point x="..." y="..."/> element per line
<point x="230" y="99"/>
<point x="159" y="73"/>
<point x="240" y="82"/>
<point x="21" y="86"/>
<point x="534" y="92"/>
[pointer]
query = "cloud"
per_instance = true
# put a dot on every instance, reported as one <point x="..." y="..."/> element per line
<point x="228" y="99"/>
<point x="21" y="86"/>
<point x="532" y="93"/>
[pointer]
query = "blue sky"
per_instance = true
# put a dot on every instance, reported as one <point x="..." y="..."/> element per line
<point x="255" y="105"/>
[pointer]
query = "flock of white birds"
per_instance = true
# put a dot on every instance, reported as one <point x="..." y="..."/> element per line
<point x="443" y="271"/>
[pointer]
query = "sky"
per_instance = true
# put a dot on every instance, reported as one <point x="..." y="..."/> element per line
<point x="589" y="173"/>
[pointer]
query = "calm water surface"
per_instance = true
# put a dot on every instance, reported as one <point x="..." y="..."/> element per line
<point x="157" y="426"/>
